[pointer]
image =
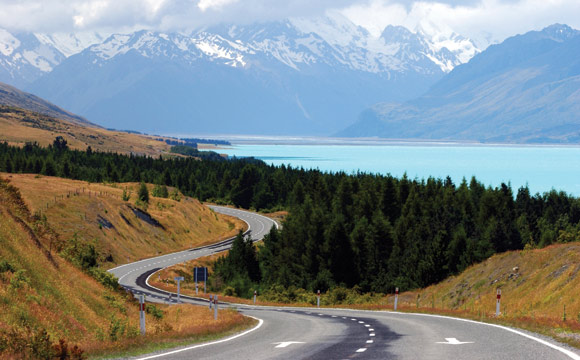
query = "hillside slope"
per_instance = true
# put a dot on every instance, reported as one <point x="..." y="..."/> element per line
<point x="11" y="96"/>
<point x="45" y="300"/>
<point x="19" y="126"/>
<point x="120" y="230"/>
<point x="539" y="290"/>
<point x="524" y="90"/>
<point x="39" y="290"/>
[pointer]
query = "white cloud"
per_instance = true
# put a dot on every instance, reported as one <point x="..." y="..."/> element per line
<point x="203" y="5"/>
<point x="484" y="20"/>
<point x="487" y="21"/>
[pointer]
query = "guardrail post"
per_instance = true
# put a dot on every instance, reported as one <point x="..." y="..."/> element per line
<point x="142" y="313"/>
<point x="498" y="302"/>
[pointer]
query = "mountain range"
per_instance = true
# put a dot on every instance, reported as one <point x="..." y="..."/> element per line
<point x="293" y="77"/>
<point x="309" y="77"/>
<point x="524" y="90"/>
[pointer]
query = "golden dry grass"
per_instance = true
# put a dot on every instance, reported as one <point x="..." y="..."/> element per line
<point x="44" y="291"/>
<point x="181" y="324"/>
<point x="77" y="208"/>
<point x="20" y="126"/>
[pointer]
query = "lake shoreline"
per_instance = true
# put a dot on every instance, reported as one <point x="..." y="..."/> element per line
<point x="372" y="141"/>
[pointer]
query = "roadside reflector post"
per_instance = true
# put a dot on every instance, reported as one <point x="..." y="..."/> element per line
<point x="210" y="301"/>
<point x="204" y="279"/>
<point x="318" y="298"/>
<point x="178" y="279"/>
<point x="215" y="307"/>
<point x="396" y="297"/>
<point x="196" y="289"/>
<point x="498" y="302"/>
<point x="255" y="294"/>
<point x="142" y="313"/>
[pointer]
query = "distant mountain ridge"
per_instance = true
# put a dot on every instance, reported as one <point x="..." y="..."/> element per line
<point x="524" y="90"/>
<point x="297" y="76"/>
<point x="11" y="96"/>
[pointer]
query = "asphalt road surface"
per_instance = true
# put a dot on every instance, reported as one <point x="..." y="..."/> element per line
<point x="310" y="333"/>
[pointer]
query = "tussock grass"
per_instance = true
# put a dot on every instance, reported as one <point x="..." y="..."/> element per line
<point x="96" y="213"/>
<point x="19" y="126"/>
<point x="44" y="298"/>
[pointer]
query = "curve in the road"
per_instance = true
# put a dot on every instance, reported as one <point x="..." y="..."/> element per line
<point x="298" y="333"/>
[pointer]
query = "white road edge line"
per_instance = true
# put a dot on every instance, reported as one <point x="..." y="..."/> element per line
<point x="260" y="323"/>
<point x="567" y="352"/>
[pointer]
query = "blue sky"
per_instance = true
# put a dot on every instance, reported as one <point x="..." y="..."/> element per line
<point x="486" y="21"/>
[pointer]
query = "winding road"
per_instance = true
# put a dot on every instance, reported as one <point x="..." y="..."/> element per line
<point x="310" y="333"/>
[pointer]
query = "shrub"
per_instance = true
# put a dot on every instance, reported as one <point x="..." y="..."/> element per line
<point x="107" y="279"/>
<point x="160" y="191"/>
<point x="156" y="312"/>
<point x="6" y="266"/>
<point x="19" y="279"/>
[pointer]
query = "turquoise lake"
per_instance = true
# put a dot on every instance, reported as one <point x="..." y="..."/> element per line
<point x="540" y="167"/>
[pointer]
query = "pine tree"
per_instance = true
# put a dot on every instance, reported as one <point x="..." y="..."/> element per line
<point x="143" y="194"/>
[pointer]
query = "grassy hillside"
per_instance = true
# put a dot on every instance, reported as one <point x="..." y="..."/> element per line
<point x="540" y="289"/>
<point x="44" y="298"/>
<point x="120" y="230"/>
<point x="11" y="96"/>
<point x="18" y="126"/>
<point x="534" y="283"/>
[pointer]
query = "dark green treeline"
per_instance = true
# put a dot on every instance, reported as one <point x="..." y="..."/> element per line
<point x="371" y="231"/>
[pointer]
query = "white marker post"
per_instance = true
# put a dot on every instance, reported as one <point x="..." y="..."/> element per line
<point x="255" y="294"/>
<point x="196" y="288"/>
<point x="498" y="301"/>
<point x="396" y="297"/>
<point x="142" y="313"/>
<point x="318" y="298"/>
<point x="210" y="301"/>
<point x="178" y="279"/>
<point x="215" y="307"/>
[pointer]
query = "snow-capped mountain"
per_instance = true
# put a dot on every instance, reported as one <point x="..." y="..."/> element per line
<point x="524" y="90"/>
<point x="313" y="75"/>
<point x="24" y="57"/>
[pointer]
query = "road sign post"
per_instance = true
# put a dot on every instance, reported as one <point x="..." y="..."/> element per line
<point x="396" y="297"/>
<point x="178" y="279"/>
<point x="215" y="307"/>
<point x="200" y="274"/>
<point x="498" y="302"/>
<point x="255" y="294"/>
<point x="318" y="299"/>
<point x="142" y="313"/>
